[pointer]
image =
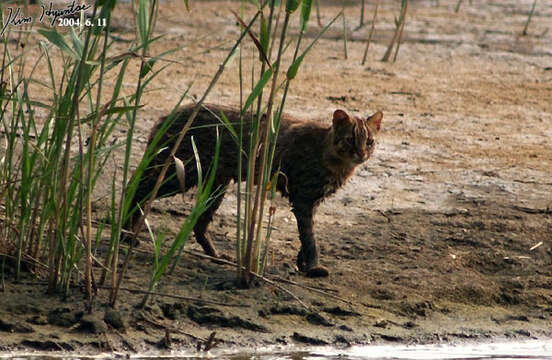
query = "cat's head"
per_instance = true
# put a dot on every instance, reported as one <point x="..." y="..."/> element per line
<point x="354" y="138"/>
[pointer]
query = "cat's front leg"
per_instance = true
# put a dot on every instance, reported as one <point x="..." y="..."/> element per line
<point x="307" y="259"/>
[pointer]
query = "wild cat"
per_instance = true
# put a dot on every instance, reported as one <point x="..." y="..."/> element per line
<point x="314" y="161"/>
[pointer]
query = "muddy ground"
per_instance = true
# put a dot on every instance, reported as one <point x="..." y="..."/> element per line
<point x="436" y="238"/>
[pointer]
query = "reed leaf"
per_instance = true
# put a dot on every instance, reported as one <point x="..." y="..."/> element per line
<point x="257" y="89"/>
<point x="55" y="38"/>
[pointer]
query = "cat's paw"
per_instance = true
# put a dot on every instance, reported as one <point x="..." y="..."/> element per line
<point x="318" y="271"/>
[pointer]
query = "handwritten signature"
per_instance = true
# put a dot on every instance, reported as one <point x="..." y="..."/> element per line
<point x="16" y="17"/>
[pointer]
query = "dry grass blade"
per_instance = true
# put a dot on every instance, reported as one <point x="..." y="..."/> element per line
<point x="325" y="292"/>
<point x="187" y="298"/>
<point x="254" y="38"/>
<point x="372" y="29"/>
<point x="180" y="175"/>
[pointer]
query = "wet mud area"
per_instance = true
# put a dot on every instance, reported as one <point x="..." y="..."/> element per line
<point x="443" y="235"/>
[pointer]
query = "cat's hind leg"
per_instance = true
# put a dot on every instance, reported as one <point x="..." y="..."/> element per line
<point x="143" y="191"/>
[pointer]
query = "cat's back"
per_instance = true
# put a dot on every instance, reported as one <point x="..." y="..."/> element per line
<point x="298" y="135"/>
<point x="204" y="127"/>
<point x="209" y="114"/>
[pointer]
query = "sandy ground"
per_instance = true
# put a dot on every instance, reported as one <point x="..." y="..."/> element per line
<point x="430" y="241"/>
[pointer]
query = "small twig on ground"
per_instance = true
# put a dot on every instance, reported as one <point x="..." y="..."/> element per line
<point x="527" y="210"/>
<point x="16" y="134"/>
<point x="316" y="290"/>
<point x="27" y="258"/>
<point x="124" y="340"/>
<point x="211" y="342"/>
<point x="384" y="215"/>
<point x="532" y="182"/>
<point x="321" y="288"/>
<point x="188" y="298"/>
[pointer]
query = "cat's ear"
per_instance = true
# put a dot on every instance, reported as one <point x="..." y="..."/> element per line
<point x="340" y="118"/>
<point x="374" y="122"/>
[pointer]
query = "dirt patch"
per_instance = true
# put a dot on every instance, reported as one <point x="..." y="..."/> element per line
<point x="430" y="240"/>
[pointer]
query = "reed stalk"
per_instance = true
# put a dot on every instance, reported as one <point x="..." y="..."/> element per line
<point x="318" y="20"/>
<point x="345" y="55"/>
<point x="397" y="35"/>
<point x="361" y="22"/>
<point x="372" y="29"/>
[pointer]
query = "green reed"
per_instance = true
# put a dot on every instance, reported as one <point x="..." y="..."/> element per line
<point x="524" y="32"/>
<point x="263" y="117"/>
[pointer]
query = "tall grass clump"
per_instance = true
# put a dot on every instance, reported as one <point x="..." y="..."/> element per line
<point x="52" y="163"/>
<point x="56" y="136"/>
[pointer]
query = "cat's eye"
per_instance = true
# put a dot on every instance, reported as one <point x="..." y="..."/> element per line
<point x="369" y="142"/>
